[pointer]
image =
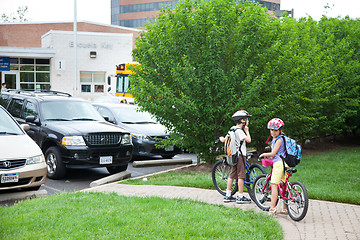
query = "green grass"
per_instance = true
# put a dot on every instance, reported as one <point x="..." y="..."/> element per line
<point x="109" y="216"/>
<point x="332" y="176"/>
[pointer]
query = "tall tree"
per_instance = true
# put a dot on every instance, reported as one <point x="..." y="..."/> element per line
<point x="19" y="16"/>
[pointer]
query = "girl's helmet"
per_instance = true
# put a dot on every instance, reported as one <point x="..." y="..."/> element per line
<point x="241" y="114"/>
<point x="275" y="124"/>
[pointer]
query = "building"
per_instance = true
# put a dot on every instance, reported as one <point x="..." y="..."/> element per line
<point x="135" y="13"/>
<point x="41" y="56"/>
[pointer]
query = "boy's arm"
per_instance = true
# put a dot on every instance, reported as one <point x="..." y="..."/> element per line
<point x="247" y="133"/>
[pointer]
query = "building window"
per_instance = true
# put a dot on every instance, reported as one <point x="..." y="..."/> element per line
<point x="34" y="73"/>
<point x="92" y="82"/>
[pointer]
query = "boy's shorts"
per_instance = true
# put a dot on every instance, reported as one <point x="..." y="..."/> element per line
<point x="238" y="170"/>
<point x="278" y="172"/>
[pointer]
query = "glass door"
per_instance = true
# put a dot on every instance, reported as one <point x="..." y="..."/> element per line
<point x="11" y="79"/>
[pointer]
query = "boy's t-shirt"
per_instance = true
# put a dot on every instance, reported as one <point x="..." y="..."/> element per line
<point x="239" y="136"/>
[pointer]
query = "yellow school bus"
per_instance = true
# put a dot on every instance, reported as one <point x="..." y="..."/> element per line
<point x="122" y="79"/>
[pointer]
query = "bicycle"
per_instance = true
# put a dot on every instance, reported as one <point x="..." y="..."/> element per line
<point x="293" y="194"/>
<point x="221" y="172"/>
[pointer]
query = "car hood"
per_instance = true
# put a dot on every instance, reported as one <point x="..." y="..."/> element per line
<point x="74" y="128"/>
<point x="18" y="146"/>
<point x="150" y="129"/>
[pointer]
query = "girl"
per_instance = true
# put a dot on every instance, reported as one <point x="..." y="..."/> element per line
<point x="277" y="150"/>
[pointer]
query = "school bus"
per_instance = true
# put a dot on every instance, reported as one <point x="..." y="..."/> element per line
<point x="122" y="79"/>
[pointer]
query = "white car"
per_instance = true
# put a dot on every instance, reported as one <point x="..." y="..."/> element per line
<point x="22" y="164"/>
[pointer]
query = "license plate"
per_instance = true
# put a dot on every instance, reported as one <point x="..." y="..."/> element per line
<point x="169" y="148"/>
<point x="10" y="177"/>
<point x="106" y="160"/>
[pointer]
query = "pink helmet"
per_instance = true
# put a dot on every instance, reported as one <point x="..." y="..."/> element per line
<point x="275" y="124"/>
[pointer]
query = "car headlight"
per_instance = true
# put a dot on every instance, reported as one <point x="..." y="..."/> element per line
<point x="141" y="137"/>
<point x="126" y="139"/>
<point x="73" y="141"/>
<point x="35" y="160"/>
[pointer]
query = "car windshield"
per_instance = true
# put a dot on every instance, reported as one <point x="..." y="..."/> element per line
<point x="131" y="116"/>
<point x="7" y="125"/>
<point x="69" y="111"/>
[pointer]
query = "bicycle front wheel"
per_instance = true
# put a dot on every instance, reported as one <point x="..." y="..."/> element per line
<point x="298" y="206"/>
<point x="255" y="170"/>
<point x="262" y="192"/>
<point x="220" y="174"/>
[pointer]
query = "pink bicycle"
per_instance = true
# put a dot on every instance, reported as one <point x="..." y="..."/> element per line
<point x="293" y="194"/>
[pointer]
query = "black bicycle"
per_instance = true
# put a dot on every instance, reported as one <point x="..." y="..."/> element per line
<point x="221" y="172"/>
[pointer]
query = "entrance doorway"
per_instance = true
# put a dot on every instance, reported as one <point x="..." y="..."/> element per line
<point x="11" y="79"/>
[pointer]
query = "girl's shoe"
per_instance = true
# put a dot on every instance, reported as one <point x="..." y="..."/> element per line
<point x="284" y="211"/>
<point x="272" y="211"/>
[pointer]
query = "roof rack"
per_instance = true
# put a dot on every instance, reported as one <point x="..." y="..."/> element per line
<point x="34" y="93"/>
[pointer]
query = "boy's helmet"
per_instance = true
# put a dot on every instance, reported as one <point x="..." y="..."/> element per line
<point x="275" y="124"/>
<point x="240" y="115"/>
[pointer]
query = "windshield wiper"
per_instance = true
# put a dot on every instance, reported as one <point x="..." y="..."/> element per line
<point x="84" y="119"/>
<point x="9" y="133"/>
<point x="57" y="119"/>
<point x="129" y="122"/>
<point x="146" y="122"/>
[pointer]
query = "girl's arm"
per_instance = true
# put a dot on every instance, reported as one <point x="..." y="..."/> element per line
<point x="274" y="151"/>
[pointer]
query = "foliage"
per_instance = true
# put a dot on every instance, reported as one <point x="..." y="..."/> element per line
<point x="109" y="216"/>
<point x="20" y="15"/>
<point x="203" y="60"/>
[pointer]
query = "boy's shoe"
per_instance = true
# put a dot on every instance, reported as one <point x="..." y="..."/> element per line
<point x="229" y="199"/>
<point x="242" y="200"/>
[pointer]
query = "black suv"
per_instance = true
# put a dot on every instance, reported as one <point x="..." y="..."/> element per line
<point x="70" y="132"/>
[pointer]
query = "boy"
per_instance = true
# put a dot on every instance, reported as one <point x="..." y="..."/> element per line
<point x="242" y="135"/>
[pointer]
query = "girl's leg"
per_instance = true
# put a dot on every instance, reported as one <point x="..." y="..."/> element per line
<point x="274" y="195"/>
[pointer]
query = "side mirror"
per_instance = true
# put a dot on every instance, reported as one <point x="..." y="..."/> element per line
<point x="32" y="119"/>
<point x="25" y="127"/>
<point x="109" y="89"/>
<point x="109" y="80"/>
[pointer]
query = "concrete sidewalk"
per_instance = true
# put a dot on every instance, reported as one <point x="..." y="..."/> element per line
<point x="324" y="220"/>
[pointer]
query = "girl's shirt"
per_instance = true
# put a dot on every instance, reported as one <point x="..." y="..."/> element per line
<point x="281" y="151"/>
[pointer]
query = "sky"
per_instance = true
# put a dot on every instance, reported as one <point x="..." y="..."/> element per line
<point x="99" y="10"/>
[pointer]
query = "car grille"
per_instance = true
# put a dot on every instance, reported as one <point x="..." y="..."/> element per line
<point x="103" y="139"/>
<point x="11" y="164"/>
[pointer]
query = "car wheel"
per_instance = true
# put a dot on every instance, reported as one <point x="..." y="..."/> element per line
<point x="54" y="164"/>
<point x="113" y="170"/>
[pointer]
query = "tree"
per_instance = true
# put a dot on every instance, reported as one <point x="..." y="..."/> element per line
<point x="20" y="15"/>
<point x="203" y="60"/>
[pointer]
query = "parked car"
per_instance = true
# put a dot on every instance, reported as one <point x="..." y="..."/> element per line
<point x="115" y="99"/>
<point x="70" y="132"/>
<point x="145" y="130"/>
<point x="22" y="164"/>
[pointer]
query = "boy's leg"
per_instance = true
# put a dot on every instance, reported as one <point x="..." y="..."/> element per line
<point x="241" y="177"/>
<point x="228" y="197"/>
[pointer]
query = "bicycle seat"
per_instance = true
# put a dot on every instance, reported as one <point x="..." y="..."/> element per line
<point x="291" y="170"/>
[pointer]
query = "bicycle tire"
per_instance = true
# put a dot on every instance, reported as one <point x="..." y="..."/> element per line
<point x="220" y="174"/>
<point x="255" y="170"/>
<point x="262" y="199"/>
<point x="297" y="208"/>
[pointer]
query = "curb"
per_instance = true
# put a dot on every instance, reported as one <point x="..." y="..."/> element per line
<point x="22" y="195"/>
<point x="162" y="162"/>
<point x="109" y="179"/>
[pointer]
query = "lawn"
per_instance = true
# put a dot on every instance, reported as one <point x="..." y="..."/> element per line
<point x="110" y="216"/>
<point x="332" y="176"/>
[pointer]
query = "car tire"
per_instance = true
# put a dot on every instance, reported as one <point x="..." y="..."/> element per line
<point x="54" y="164"/>
<point x="113" y="170"/>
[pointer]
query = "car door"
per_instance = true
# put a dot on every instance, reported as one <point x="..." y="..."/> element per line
<point x="15" y="109"/>
<point x="30" y="109"/>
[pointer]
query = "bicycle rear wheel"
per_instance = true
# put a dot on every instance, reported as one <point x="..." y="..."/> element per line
<point x="261" y="195"/>
<point x="297" y="207"/>
<point x="220" y="174"/>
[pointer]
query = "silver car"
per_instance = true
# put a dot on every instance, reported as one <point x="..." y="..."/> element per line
<point x="22" y="164"/>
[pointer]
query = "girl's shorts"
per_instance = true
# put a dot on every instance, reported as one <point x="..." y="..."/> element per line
<point x="278" y="172"/>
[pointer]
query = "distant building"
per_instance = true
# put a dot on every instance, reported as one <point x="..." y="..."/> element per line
<point x="135" y="13"/>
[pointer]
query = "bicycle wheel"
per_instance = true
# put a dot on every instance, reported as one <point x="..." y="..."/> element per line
<point x="262" y="196"/>
<point x="297" y="207"/>
<point x="255" y="170"/>
<point x="220" y="174"/>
